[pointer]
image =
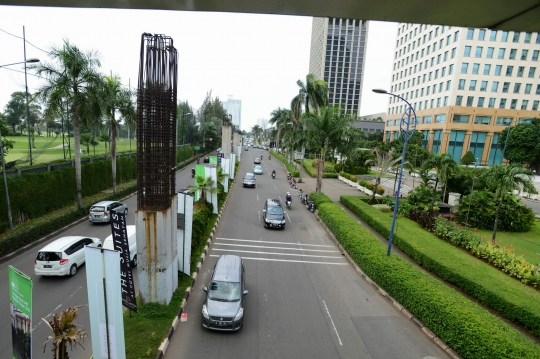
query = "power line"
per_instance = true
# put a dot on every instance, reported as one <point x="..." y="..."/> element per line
<point x="22" y="72"/>
<point x="28" y="42"/>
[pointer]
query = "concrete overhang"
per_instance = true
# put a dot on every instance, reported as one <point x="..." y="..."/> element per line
<point x="517" y="15"/>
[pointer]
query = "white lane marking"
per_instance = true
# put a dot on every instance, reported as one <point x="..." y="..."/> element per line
<point x="280" y="199"/>
<point x="287" y="249"/>
<point x="257" y="198"/>
<point x="259" y="216"/>
<point x="288" y="217"/>
<point x="275" y="187"/>
<point x="287" y="260"/>
<point x="261" y="241"/>
<point x="327" y="312"/>
<point x="280" y="254"/>
<point x="55" y="309"/>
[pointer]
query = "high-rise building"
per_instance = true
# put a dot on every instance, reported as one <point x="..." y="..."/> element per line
<point x="338" y="48"/>
<point x="234" y="108"/>
<point x="263" y="123"/>
<point x="466" y="86"/>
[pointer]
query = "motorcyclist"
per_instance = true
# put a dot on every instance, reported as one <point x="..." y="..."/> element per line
<point x="198" y="160"/>
<point x="274" y="173"/>
<point x="288" y="197"/>
<point x="269" y="157"/>
<point x="261" y="157"/>
<point x="193" y="172"/>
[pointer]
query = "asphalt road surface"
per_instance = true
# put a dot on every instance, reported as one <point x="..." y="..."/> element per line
<point x="54" y="294"/>
<point x="305" y="300"/>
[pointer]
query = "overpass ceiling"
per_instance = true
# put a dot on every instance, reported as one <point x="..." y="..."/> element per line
<point x="518" y="15"/>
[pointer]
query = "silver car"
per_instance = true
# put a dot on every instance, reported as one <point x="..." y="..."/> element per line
<point x="101" y="211"/>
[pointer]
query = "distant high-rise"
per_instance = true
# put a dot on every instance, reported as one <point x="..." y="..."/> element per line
<point x="234" y="108"/>
<point x="263" y="123"/>
<point x="338" y="48"/>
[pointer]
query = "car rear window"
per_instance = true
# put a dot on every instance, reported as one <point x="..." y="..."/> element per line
<point x="275" y="210"/>
<point x="250" y="176"/>
<point x="49" y="256"/>
<point x="97" y="209"/>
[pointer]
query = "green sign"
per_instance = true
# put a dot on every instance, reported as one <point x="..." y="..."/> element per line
<point x="20" y="302"/>
<point x="197" y="148"/>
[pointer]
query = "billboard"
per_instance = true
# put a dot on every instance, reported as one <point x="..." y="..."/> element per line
<point x="184" y="230"/>
<point x="20" y="305"/>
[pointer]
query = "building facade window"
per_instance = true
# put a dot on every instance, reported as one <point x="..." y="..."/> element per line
<point x="459" y="99"/>
<point x="472" y="85"/>
<point x="475" y="69"/>
<point x="480" y="102"/>
<point x="461" y="84"/>
<point x="513" y="104"/>
<point x="478" y="140"/>
<point x="481" y="34"/>
<point x="440" y="118"/>
<point x="437" y="137"/>
<point x="506" y="86"/>
<point x="524" y="104"/>
<point x="517" y="87"/>
<point x="482" y="120"/>
<point x="535" y="105"/>
<point x="532" y="70"/>
<point x="461" y="118"/>
<point x="494" y="86"/>
<point x="470" y="100"/>
<point x="427" y="119"/>
<point x="520" y="71"/>
<point x="498" y="69"/>
<point x="491" y="103"/>
<point x="470" y="34"/>
<point x="487" y="69"/>
<point x="495" y="153"/>
<point x="504" y="36"/>
<point x="467" y="51"/>
<point x="504" y="121"/>
<point x="516" y="36"/>
<point x="509" y="70"/>
<point x="478" y="52"/>
<point x="483" y="86"/>
<point x="493" y="35"/>
<point x="489" y="53"/>
<point x="524" y="54"/>
<point x="528" y="88"/>
<point x="455" y="144"/>
<point x="501" y="53"/>
<point x="502" y="103"/>
<point x="512" y="54"/>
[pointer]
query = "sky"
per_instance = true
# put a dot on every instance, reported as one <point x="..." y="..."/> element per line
<point x="253" y="58"/>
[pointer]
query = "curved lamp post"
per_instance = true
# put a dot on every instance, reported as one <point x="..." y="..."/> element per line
<point x="408" y="116"/>
<point x="2" y="145"/>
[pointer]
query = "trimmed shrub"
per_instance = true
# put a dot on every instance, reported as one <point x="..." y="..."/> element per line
<point x="512" y="299"/>
<point x="467" y="328"/>
<point x="290" y="168"/>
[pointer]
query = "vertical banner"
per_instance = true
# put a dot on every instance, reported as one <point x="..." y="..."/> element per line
<point x="232" y="163"/>
<point x="225" y="167"/>
<point x="121" y="244"/>
<point x="105" y="303"/>
<point x="212" y="172"/>
<point x="184" y="230"/>
<point x="20" y="305"/>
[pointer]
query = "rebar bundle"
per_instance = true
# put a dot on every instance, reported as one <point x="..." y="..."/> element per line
<point x="156" y="122"/>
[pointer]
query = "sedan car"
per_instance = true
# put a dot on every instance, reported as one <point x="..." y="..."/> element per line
<point x="101" y="211"/>
<point x="257" y="160"/>
<point x="258" y="170"/>
<point x="273" y="214"/>
<point x="63" y="256"/>
<point x="249" y="180"/>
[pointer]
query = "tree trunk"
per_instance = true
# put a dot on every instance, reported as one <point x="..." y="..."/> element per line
<point x="303" y="154"/>
<point x="277" y="141"/>
<point x="434" y="194"/>
<point x="113" y="152"/>
<point x="496" y="220"/>
<point x="444" y="192"/>
<point x="77" y="144"/>
<point x="395" y="181"/>
<point x="320" y="168"/>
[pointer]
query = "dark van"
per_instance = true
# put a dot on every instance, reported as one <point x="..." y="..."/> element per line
<point x="223" y="308"/>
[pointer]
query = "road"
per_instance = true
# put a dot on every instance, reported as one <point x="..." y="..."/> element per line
<point x="54" y="294"/>
<point x="305" y="300"/>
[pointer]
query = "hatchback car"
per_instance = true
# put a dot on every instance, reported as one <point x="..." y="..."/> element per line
<point x="63" y="256"/>
<point x="257" y="160"/>
<point x="223" y="308"/>
<point x="101" y="211"/>
<point x="258" y="170"/>
<point x="249" y="180"/>
<point x="273" y="214"/>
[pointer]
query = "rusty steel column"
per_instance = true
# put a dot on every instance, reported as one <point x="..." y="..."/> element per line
<point x="156" y="214"/>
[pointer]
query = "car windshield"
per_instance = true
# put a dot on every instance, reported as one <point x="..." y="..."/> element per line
<point x="249" y="177"/>
<point x="258" y="168"/>
<point x="275" y="210"/>
<point x="49" y="256"/>
<point x="97" y="209"/>
<point x="224" y="291"/>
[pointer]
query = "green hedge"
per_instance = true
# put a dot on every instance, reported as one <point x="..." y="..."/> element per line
<point x="467" y="328"/>
<point x="514" y="300"/>
<point x="290" y="168"/>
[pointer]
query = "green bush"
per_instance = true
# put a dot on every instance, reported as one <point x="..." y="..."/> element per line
<point x="290" y="168"/>
<point x="353" y="178"/>
<point x="467" y="328"/>
<point x="512" y="299"/>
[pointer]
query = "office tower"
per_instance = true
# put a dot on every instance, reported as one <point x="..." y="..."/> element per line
<point x="234" y="108"/>
<point x="466" y="86"/>
<point x="338" y="48"/>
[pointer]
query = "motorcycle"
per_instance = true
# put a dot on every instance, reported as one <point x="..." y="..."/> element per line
<point x="273" y="175"/>
<point x="311" y="206"/>
<point x="269" y="158"/>
<point x="288" y="204"/>
<point x="192" y="174"/>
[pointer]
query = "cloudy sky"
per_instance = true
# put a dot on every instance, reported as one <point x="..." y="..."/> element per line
<point x="254" y="58"/>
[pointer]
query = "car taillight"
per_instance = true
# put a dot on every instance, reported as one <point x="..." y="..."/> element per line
<point x="105" y="213"/>
<point x="35" y="261"/>
<point x="63" y="261"/>
<point x="88" y="211"/>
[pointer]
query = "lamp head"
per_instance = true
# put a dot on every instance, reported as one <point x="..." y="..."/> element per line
<point x="32" y="60"/>
<point x="382" y="91"/>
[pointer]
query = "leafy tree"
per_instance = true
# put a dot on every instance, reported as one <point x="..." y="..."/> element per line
<point x="105" y="139"/>
<point x="15" y="110"/>
<point x="325" y="130"/>
<point x="73" y="76"/>
<point x="445" y="166"/>
<point x="468" y="158"/>
<point x="257" y="130"/>
<point x="280" y="117"/>
<point x="7" y="144"/>
<point x="94" y="143"/>
<point x="86" y="139"/>
<point x="383" y="161"/>
<point x="523" y="145"/>
<point x="504" y="179"/>
<point x="204" y="185"/>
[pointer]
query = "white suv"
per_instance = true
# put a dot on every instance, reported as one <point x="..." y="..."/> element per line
<point x="63" y="256"/>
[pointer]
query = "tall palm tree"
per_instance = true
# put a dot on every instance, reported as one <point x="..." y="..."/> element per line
<point x="280" y="117"/>
<point x="205" y="186"/>
<point x="257" y="130"/>
<point x="116" y="99"/>
<point x="73" y="77"/>
<point x="311" y="95"/>
<point x="504" y="179"/>
<point x="446" y="168"/>
<point x="384" y="160"/>
<point x="65" y="331"/>
<point x="325" y="130"/>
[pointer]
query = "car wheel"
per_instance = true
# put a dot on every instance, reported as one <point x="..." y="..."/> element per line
<point x="134" y="261"/>
<point x="126" y="212"/>
<point x="73" y="270"/>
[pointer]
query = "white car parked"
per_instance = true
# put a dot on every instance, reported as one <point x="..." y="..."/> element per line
<point x="132" y="242"/>
<point x="63" y="256"/>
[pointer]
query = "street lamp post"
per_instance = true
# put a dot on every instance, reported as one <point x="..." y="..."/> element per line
<point x="408" y="116"/>
<point x="26" y="95"/>
<point x="472" y="190"/>
<point x="507" y="136"/>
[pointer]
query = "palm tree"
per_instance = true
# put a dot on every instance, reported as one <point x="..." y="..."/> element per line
<point x="204" y="185"/>
<point x="504" y="179"/>
<point x="280" y="117"/>
<point x="385" y="160"/>
<point x="116" y="98"/>
<point x="105" y="139"/>
<point x="86" y="139"/>
<point x="325" y="130"/>
<point x="73" y="76"/>
<point x="94" y="143"/>
<point x="311" y="95"/>
<point x="446" y="168"/>
<point x="257" y="130"/>
<point x="65" y="332"/>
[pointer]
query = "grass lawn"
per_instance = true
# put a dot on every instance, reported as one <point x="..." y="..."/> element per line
<point x="524" y="243"/>
<point x="384" y="175"/>
<point x="49" y="149"/>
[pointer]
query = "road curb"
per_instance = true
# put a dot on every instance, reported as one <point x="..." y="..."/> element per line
<point x="165" y="343"/>
<point x="427" y="332"/>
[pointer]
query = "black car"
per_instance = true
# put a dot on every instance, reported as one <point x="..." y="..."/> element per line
<point x="249" y="180"/>
<point x="273" y="214"/>
<point x="257" y="160"/>
<point x="223" y="308"/>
